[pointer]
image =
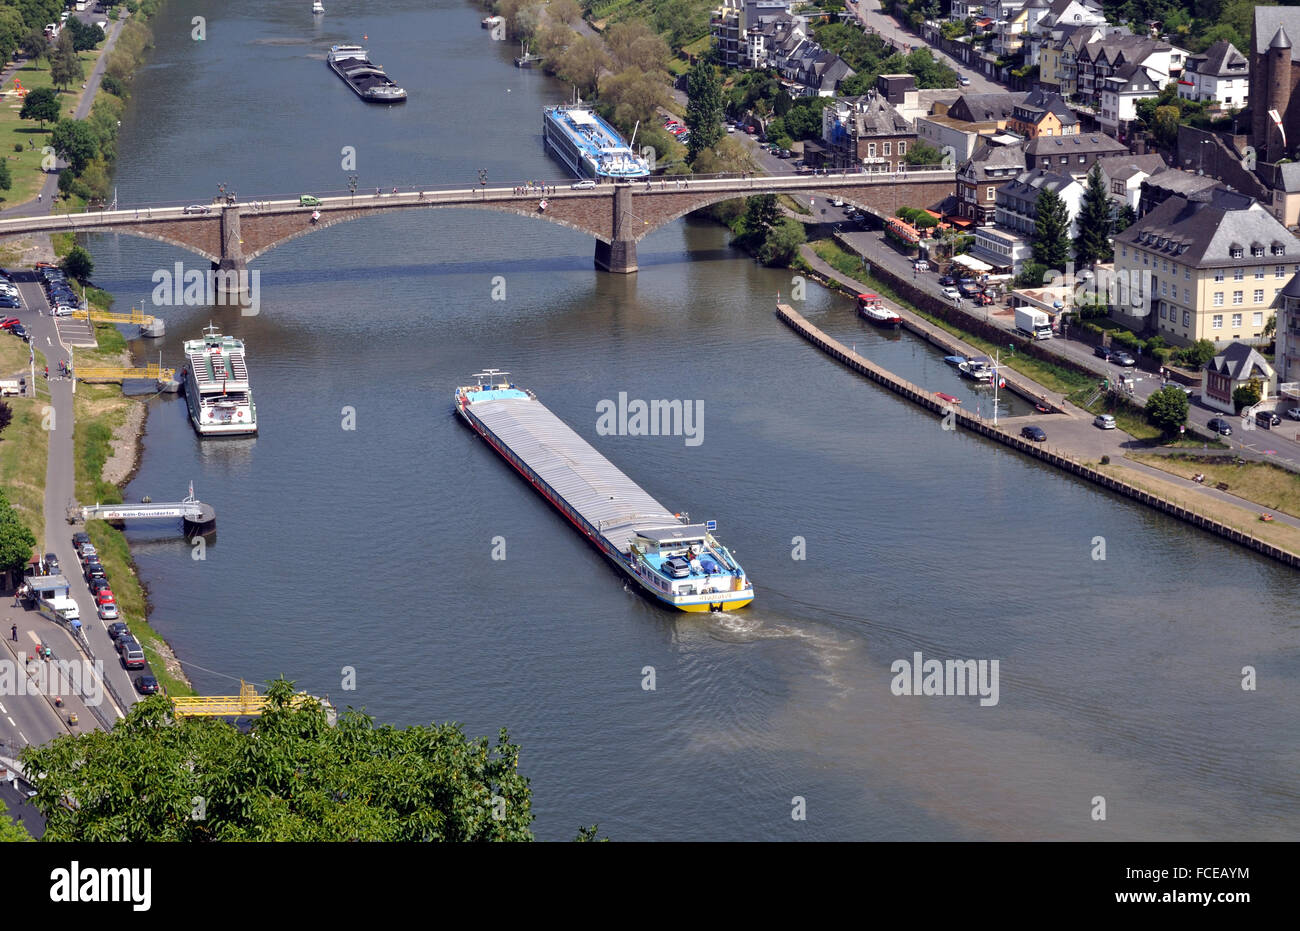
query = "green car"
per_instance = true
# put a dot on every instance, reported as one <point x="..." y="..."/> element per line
<point x="307" y="200"/>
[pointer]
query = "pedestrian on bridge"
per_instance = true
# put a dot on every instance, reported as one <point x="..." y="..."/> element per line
<point x="13" y="631"/>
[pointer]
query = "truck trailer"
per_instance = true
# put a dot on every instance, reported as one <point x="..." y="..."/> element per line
<point x="1033" y="323"/>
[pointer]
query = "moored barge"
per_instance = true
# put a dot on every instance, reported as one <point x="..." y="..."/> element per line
<point x="677" y="563"/>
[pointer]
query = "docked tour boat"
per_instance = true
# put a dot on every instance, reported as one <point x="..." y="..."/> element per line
<point x="217" y="390"/>
<point x="873" y="308"/>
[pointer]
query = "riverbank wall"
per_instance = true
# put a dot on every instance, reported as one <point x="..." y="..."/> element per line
<point x="928" y="400"/>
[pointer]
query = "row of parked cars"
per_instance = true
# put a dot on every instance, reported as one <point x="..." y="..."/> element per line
<point x="682" y="134"/>
<point x="128" y="648"/>
<point x="10" y="299"/>
<point x="63" y="300"/>
<point x="954" y="287"/>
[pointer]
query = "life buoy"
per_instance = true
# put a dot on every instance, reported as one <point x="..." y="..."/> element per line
<point x="239" y="414"/>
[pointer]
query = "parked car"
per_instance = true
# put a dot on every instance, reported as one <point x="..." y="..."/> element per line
<point x="1185" y="389"/>
<point x="86" y="550"/>
<point x="1105" y="421"/>
<point x="95" y="571"/>
<point x="8" y="322"/>
<point x="1034" y="433"/>
<point x="1102" y="352"/>
<point x="947" y="281"/>
<point x="21" y="332"/>
<point x="198" y="208"/>
<point x="731" y="128"/>
<point x="104" y="596"/>
<point x="1122" y="358"/>
<point x="1293" y="413"/>
<point x="80" y="538"/>
<point x="97" y="585"/>
<point x="963" y="80"/>
<point x="108" y="611"/>
<point x="146" y="685"/>
<point x="584" y="185"/>
<point x="677" y="567"/>
<point x="1267" y="419"/>
<point x="131" y="652"/>
<point x="1220" y="426"/>
<point x="951" y="294"/>
<point x="118" y="630"/>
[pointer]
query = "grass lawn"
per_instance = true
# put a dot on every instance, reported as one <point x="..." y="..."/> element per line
<point x="24" y="443"/>
<point x="1257" y="482"/>
<point x="1239" y="518"/>
<point x="25" y="166"/>
<point x="1052" y="377"/>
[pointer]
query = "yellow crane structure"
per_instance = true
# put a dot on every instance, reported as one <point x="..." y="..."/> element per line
<point x="135" y="317"/>
<point x="246" y="704"/>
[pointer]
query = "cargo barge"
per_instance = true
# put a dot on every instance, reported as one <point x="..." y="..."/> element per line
<point x="352" y="63"/>
<point x="677" y="563"/>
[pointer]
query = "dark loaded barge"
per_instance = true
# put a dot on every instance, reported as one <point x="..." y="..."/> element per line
<point x="352" y="63"/>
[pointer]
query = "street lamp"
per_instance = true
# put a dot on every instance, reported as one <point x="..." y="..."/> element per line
<point x="352" y="188"/>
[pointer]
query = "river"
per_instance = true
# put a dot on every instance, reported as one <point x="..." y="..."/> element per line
<point x="371" y="549"/>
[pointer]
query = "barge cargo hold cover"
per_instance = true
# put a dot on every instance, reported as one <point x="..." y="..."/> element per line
<point x="678" y="563"/>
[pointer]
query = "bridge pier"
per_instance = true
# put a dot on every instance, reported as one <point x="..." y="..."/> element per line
<point x="619" y="255"/>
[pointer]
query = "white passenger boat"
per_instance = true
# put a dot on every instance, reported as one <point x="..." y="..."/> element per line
<point x="217" y="390"/>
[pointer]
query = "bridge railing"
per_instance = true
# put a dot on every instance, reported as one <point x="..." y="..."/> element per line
<point x="167" y="210"/>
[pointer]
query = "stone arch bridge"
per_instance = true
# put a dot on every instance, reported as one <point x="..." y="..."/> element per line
<point x="616" y="215"/>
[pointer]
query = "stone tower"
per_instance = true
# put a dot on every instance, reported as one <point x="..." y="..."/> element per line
<point x="1279" y="93"/>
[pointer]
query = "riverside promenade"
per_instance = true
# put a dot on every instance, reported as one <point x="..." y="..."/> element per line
<point x="1068" y="458"/>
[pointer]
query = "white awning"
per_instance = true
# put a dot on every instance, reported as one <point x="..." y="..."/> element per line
<point x="973" y="264"/>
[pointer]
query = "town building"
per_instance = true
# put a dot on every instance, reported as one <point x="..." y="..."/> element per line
<point x="1286" y="358"/>
<point x="1120" y="92"/>
<point x="983" y="108"/>
<point x="1123" y="176"/>
<point x="1004" y="250"/>
<point x="1109" y="55"/>
<point x="1210" y="267"/>
<point x="1172" y="182"/>
<point x="865" y="132"/>
<point x="1047" y="20"/>
<point x="1220" y="76"/>
<point x="1237" y="365"/>
<point x="730" y="23"/>
<point x="1058" y="55"/>
<point x="980" y="176"/>
<point x="1072" y="155"/>
<point x="1043" y="113"/>
<point x="1017" y="200"/>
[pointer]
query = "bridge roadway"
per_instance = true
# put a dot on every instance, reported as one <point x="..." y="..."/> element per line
<point x="617" y="215"/>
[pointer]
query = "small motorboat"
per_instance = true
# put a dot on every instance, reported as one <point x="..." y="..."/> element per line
<point x="874" y="309"/>
<point x="317" y="7"/>
<point x="947" y="397"/>
<point x="954" y="361"/>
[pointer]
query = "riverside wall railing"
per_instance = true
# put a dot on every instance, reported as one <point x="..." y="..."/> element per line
<point x="928" y="400"/>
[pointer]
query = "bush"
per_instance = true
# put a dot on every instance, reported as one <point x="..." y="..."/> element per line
<point x="1246" y="395"/>
<point x="1105" y="460"/>
<point x="114" y="86"/>
<point x="18" y="146"/>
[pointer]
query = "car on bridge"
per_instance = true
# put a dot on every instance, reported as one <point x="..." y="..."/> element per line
<point x="585" y="184"/>
<point x="308" y="200"/>
<point x="198" y="208"/>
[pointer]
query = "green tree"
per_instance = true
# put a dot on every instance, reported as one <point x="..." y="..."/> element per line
<point x="35" y="45"/>
<point x="703" y="109"/>
<point x="1165" y="126"/>
<point x="14" y="831"/>
<point x="921" y="152"/>
<point x="1196" y="355"/>
<point x="294" y="778"/>
<point x="85" y="36"/>
<point x="1247" y="394"/>
<point x="761" y="214"/>
<point x="6" y="415"/>
<point x="11" y="32"/>
<point x="16" y="539"/>
<point x="1167" y="409"/>
<point x="1096" y="222"/>
<point x="66" y="67"/>
<point x="41" y="104"/>
<point x="78" y="264"/>
<point x="632" y="96"/>
<point x="1051" y="241"/>
<point x="782" y="242"/>
<point x="1031" y="275"/>
<point x="632" y="44"/>
<point x="582" y="63"/>
<point x="74" y="142"/>
<point x="1125" y="218"/>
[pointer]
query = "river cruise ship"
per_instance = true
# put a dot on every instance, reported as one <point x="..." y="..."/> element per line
<point x="217" y="390"/>
<point x="678" y="564"/>
<point x="588" y="146"/>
